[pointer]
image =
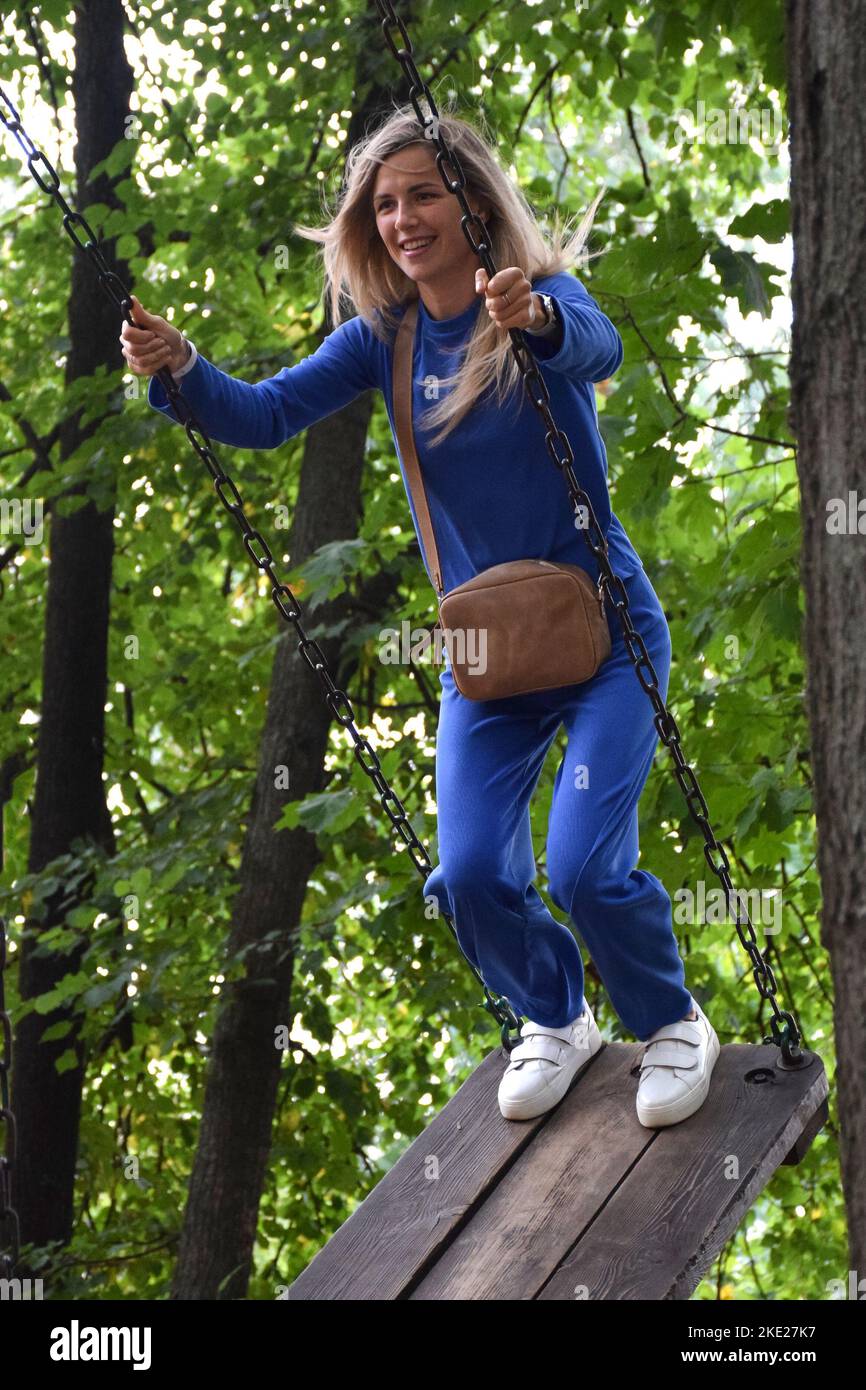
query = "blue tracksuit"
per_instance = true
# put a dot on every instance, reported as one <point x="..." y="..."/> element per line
<point x="495" y="495"/>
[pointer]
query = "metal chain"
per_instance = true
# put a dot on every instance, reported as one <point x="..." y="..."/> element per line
<point x="259" y="552"/>
<point x="784" y="1031"/>
<point x="9" y="1231"/>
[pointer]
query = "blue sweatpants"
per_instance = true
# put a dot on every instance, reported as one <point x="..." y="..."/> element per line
<point x="489" y="757"/>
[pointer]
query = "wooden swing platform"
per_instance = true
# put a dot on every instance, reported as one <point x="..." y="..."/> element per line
<point x="583" y="1202"/>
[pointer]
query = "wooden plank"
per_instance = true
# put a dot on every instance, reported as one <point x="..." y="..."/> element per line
<point x="556" y="1187"/>
<point x="598" y="1206"/>
<point x="412" y="1214"/>
<point x="670" y="1217"/>
<point x="804" y="1142"/>
<point x="582" y="1202"/>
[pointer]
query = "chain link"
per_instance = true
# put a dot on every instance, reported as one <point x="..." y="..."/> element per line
<point x="784" y="1031"/>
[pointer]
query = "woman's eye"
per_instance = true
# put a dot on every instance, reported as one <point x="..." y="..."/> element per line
<point x="386" y="207"/>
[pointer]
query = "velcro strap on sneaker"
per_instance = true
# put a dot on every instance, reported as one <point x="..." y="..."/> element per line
<point x="545" y="1030"/>
<point x="687" y="1030"/>
<point x="657" y="1055"/>
<point x="539" y="1046"/>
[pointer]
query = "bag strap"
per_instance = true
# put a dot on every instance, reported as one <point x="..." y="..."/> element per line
<point x="404" y="346"/>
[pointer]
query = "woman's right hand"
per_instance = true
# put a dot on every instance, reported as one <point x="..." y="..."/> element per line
<point x="152" y="343"/>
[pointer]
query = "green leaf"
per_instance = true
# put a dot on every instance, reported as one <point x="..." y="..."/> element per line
<point x="68" y="989"/>
<point x="105" y="990"/>
<point x="742" y="276"/>
<point x="772" y="220"/>
<point x="323" y="811"/>
<point x="57" y="1031"/>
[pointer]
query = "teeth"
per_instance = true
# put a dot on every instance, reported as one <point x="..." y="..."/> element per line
<point x="413" y="245"/>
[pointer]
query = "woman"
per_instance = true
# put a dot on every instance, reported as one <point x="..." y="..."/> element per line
<point x="494" y="496"/>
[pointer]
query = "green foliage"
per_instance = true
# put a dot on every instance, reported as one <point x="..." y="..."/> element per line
<point x="387" y="1019"/>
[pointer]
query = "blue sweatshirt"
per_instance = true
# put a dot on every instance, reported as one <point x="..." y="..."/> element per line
<point x="494" y="492"/>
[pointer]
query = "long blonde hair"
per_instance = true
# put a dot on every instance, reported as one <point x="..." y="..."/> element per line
<point x="357" y="265"/>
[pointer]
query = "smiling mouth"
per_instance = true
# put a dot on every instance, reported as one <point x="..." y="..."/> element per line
<point x="419" y="251"/>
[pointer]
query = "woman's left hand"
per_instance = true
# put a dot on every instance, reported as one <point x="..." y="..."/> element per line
<point x="521" y="309"/>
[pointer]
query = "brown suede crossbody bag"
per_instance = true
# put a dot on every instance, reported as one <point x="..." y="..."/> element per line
<point x="515" y="628"/>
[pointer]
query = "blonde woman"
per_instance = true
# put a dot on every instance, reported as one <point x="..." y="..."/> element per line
<point x="495" y="496"/>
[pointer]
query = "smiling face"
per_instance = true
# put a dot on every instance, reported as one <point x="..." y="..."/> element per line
<point x="411" y="204"/>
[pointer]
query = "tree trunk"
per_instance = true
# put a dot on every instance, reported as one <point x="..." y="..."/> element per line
<point x="69" y="799"/>
<point x="826" y="61"/>
<point x="216" y="1248"/>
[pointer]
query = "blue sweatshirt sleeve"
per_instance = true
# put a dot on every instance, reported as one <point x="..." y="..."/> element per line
<point x="591" y="348"/>
<point x="265" y="415"/>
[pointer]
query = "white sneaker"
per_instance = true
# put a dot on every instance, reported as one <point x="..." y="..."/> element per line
<point x="541" y="1069"/>
<point x="675" y="1070"/>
